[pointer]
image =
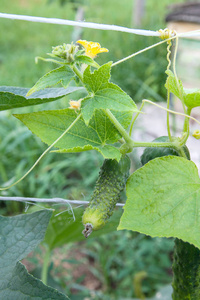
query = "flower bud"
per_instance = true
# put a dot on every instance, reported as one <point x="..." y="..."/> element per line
<point x="65" y="51"/>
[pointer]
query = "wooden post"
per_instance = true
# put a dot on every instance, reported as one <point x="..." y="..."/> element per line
<point x="138" y="12"/>
<point x="77" y="32"/>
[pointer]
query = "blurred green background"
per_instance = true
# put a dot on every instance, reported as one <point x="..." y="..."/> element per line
<point x="112" y="262"/>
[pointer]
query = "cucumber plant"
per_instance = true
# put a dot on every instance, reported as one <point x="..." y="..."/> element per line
<point x="163" y="195"/>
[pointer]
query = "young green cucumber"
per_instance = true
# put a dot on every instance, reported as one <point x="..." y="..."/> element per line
<point x="110" y="183"/>
<point x="153" y="152"/>
<point x="186" y="271"/>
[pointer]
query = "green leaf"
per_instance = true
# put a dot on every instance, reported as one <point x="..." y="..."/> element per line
<point x="14" y="97"/>
<point x="19" y="236"/>
<point x="49" y="125"/>
<point x="97" y="80"/>
<point x="103" y="94"/>
<point x="107" y="151"/>
<point x="191" y="97"/>
<point x="61" y="75"/>
<point x="163" y="200"/>
<point x="66" y="228"/>
<point x="174" y="87"/>
<point x="20" y="285"/>
<point x="84" y="59"/>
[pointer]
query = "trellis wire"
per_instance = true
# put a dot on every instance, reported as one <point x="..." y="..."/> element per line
<point x="80" y="24"/>
<point x="50" y="200"/>
<point x="92" y="25"/>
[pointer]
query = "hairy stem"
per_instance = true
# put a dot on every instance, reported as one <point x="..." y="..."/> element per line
<point x="44" y="275"/>
<point x="119" y="127"/>
<point x="156" y="144"/>
<point x="134" y="119"/>
<point x="139" y="52"/>
<point x="77" y="72"/>
<point x="186" y="126"/>
<point x="168" y="104"/>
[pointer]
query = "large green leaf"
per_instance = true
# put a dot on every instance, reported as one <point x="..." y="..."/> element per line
<point x="103" y="94"/>
<point x="66" y="228"/>
<point x="191" y="97"/>
<point x="163" y="199"/>
<point x="14" y="97"/>
<point x="61" y="75"/>
<point x="19" y="235"/>
<point x="49" y="125"/>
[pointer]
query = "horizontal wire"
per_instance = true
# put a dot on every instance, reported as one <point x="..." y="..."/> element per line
<point x="51" y="200"/>
<point x="80" y="24"/>
<point x="92" y="25"/>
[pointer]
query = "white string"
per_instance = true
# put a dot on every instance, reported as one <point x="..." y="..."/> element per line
<point x="93" y="25"/>
<point x="80" y="24"/>
<point x="51" y="200"/>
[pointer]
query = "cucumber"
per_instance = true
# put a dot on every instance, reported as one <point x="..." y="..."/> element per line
<point x="153" y="152"/>
<point x="186" y="261"/>
<point x="110" y="183"/>
<point x="186" y="270"/>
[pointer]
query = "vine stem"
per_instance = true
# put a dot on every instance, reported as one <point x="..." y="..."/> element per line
<point x="175" y="74"/>
<point x="45" y="266"/>
<point x="129" y="141"/>
<point x="186" y="126"/>
<point x="187" y="116"/>
<point x="172" y="111"/>
<point x="119" y="127"/>
<point x="134" y="119"/>
<point x="168" y="91"/>
<point x="168" y="104"/>
<point x="49" y="60"/>
<point x="141" y="51"/>
<point x="77" y="72"/>
<point x="41" y="156"/>
<point x="156" y="144"/>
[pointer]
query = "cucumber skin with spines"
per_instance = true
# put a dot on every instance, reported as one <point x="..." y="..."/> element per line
<point x="153" y="152"/>
<point x="110" y="183"/>
<point x="186" y="270"/>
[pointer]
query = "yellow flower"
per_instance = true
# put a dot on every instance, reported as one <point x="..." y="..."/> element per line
<point x="75" y="104"/>
<point x="166" y="33"/>
<point x="92" y="48"/>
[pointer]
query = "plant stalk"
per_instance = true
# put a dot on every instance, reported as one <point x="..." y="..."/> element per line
<point x="44" y="274"/>
<point x="77" y="72"/>
<point x="119" y="127"/>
